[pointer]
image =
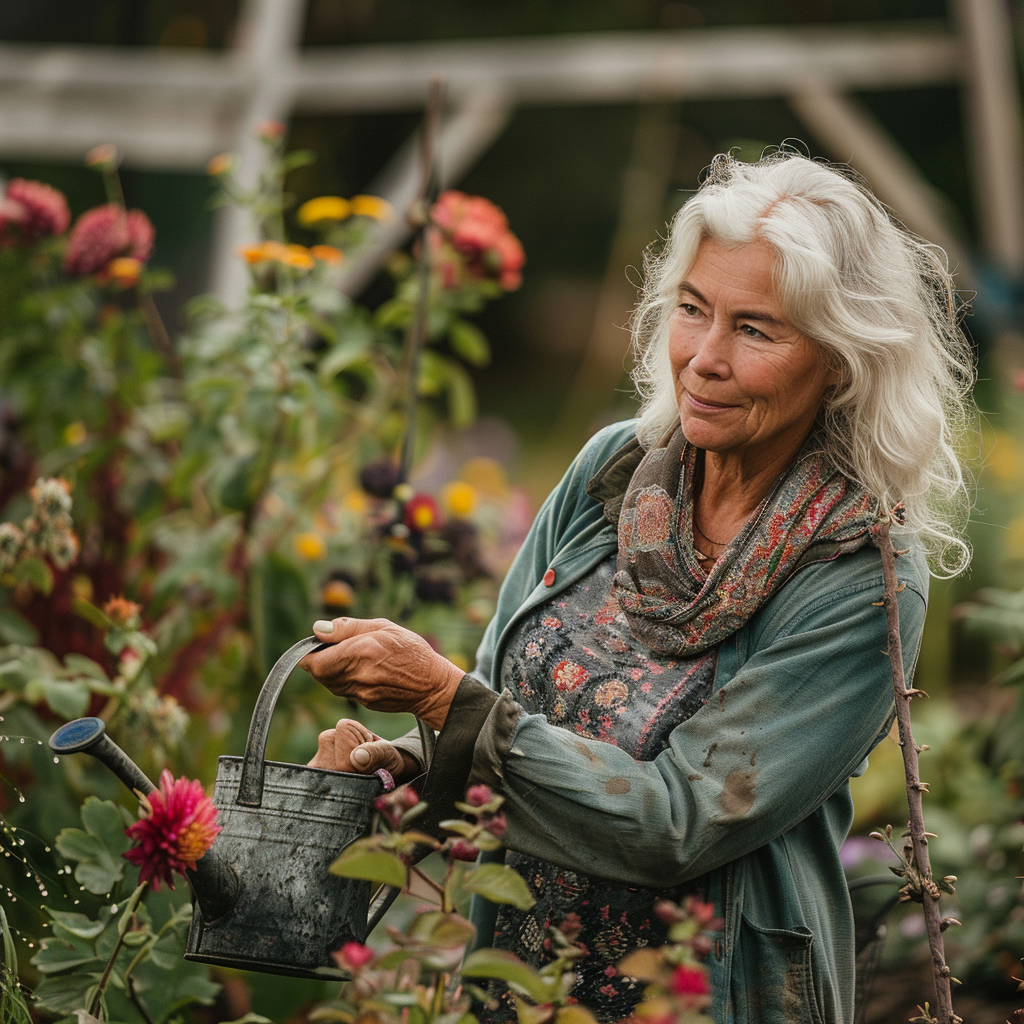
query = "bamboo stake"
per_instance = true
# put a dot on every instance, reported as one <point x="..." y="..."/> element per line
<point x="917" y="872"/>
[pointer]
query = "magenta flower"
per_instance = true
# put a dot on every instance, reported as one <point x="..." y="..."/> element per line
<point x="177" y="825"/>
<point x="33" y="210"/>
<point x="690" y="980"/>
<point x="105" y="233"/>
<point x="353" y="956"/>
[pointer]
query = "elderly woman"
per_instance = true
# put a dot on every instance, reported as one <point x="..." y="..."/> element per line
<point x="685" y="667"/>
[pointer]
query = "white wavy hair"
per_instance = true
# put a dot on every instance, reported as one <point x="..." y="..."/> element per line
<point x="878" y="301"/>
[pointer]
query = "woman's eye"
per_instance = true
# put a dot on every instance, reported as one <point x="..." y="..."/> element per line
<point x="751" y="332"/>
<point x="689" y="309"/>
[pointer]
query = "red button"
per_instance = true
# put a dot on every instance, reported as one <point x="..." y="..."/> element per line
<point x="549" y="578"/>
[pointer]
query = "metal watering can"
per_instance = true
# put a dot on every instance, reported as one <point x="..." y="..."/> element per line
<point x="263" y="898"/>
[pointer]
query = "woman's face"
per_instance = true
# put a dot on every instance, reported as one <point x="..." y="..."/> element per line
<point x="748" y="383"/>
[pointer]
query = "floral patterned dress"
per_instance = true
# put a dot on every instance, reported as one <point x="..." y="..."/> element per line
<point x="575" y="661"/>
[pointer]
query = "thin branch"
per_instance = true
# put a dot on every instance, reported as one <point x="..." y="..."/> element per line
<point x="419" y="216"/>
<point x="920" y="884"/>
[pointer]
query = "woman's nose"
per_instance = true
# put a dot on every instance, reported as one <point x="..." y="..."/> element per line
<point x="711" y="356"/>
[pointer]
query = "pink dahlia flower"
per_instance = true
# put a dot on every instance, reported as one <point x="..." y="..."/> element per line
<point x="177" y="825"/>
<point x="104" y="233"/>
<point x="478" y="231"/>
<point x="34" y="210"/>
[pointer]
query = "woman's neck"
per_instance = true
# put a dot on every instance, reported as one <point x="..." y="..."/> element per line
<point x="728" y="488"/>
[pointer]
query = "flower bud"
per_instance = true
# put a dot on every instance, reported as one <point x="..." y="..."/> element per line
<point x="462" y="850"/>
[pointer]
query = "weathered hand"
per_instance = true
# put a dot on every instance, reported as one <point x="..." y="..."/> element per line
<point x="385" y="667"/>
<point x="351" y="747"/>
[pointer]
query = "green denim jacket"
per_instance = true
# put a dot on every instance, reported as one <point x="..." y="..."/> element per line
<point x="750" y="799"/>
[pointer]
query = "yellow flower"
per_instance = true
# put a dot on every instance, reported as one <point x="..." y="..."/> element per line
<point x="371" y="206"/>
<point x="314" y="211"/>
<point x="460" y="498"/>
<point x="403" y="492"/>
<point x="356" y="501"/>
<point x="124" y="271"/>
<point x="310" y="546"/>
<point x="487" y="476"/>
<point x="297" y="257"/>
<point x="327" y="254"/>
<point x="220" y="164"/>
<point x="75" y="433"/>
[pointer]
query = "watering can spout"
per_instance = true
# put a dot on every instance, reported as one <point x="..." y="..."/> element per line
<point x="214" y="882"/>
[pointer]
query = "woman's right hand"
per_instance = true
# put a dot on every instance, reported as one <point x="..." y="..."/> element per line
<point x="351" y="747"/>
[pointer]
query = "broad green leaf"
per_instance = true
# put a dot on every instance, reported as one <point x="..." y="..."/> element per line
<point x="437" y="928"/>
<point x="77" y="924"/>
<point x="84" y="666"/>
<point x="500" y="884"/>
<point x="469" y="343"/>
<point x="507" y="967"/>
<point x="66" y="698"/>
<point x="15" y="629"/>
<point x="91" y="613"/>
<point x="36" y="573"/>
<point x="60" y="952"/>
<point x="373" y="865"/>
<point x="99" y="849"/>
<point x="343" y="355"/>
<point x="66" y="993"/>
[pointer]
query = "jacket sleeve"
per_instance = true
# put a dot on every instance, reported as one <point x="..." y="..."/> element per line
<point x="779" y="736"/>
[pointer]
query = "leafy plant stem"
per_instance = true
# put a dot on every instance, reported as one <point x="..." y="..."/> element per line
<point x="122" y="930"/>
<point x="930" y="895"/>
<point x="129" y="985"/>
<point x="439" y="889"/>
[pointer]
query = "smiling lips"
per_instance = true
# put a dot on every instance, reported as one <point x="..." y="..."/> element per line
<point x="706" y="406"/>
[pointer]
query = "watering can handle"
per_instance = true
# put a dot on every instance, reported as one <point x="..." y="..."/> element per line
<point x="250" y="786"/>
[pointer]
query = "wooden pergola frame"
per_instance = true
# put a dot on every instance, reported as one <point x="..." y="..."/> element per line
<point x="176" y="109"/>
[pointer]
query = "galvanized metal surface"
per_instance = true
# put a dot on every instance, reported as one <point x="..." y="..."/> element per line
<point x="290" y="912"/>
<point x="266" y="899"/>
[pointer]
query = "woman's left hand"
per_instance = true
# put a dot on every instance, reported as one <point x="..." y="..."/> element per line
<point x="385" y="667"/>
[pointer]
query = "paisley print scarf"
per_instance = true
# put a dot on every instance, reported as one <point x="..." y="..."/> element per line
<point x="813" y="512"/>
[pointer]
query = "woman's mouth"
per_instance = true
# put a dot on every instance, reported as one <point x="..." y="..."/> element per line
<point x="705" y="404"/>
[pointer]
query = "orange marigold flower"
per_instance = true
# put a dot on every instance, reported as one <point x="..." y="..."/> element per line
<point x="460" y="498"/>
<point x="122" y="611"/>
<point x="177" y="825"/>
<point x="125" y="271"/>
<point x="297" y="257"/>
<point x="337" y="594"/>
<point x="323" y="208"/>
<point x="327" y="254"/>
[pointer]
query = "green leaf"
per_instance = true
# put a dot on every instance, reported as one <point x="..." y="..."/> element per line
<point x="437" y="928"/>
<point x="92" y="614"/>
<point x="463" y="828"/>
<point x="343" y="355"/>
<point x="66" y="992"/>
<point x="15" y="629"/>
<point x="60" y="952"/>
<point x="99" y="849"/>
<point x="10" y="951"/>
<point x="36" y="573"/>
<point x="507" y="967"/>
<point x="468" y="342"/>
<point x="373" y="865"/>
<point x="83" y="666"/>
<point x="77" y="924"/>
<point x="67" y="698"/>
<point x="500" y="884"/>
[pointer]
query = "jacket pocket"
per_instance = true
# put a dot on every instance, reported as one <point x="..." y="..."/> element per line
<point x="776" y="981"/>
